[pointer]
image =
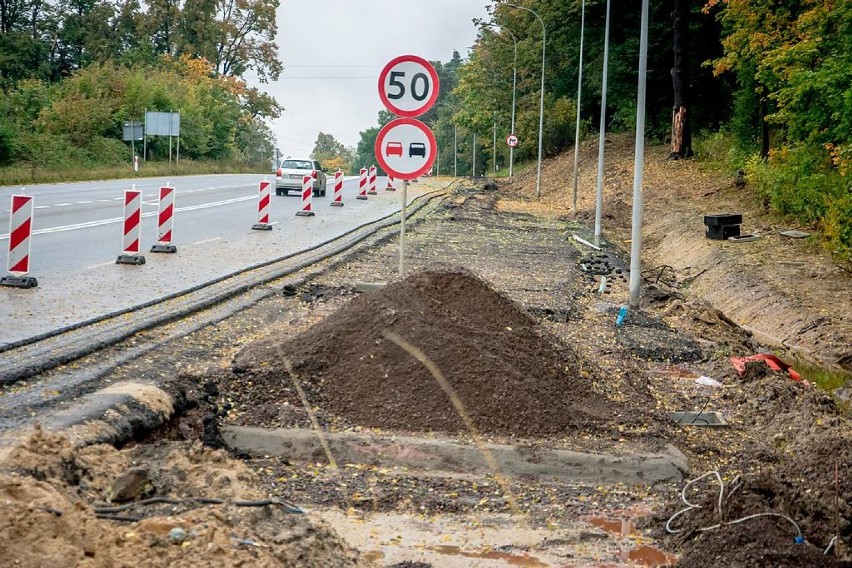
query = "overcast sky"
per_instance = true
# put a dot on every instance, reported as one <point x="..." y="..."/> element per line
<point x="333" y="51"/>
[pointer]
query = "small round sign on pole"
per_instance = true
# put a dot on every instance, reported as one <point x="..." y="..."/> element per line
<point x="512" y="140"/>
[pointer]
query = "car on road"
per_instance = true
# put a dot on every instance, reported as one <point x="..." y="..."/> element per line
<point x="288" y="176"/>
<point x="417" y="149"/>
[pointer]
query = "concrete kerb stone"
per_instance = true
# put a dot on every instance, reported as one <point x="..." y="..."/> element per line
<point x="448" y="455"/>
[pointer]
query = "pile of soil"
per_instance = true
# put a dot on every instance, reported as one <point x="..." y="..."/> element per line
<point x="512" y="378"/>
<point x="48" y="490"/>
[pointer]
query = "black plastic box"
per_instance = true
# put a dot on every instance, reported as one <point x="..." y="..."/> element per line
<point x="721" y="219"/>
<point x="721" y="232"/>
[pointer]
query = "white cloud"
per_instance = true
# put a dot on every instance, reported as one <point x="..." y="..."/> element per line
<point x="328" y="47"/>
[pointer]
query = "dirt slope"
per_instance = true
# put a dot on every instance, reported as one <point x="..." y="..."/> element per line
<point x="788" y="292"/>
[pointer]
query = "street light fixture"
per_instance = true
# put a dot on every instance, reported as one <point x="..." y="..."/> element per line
<point x="514" y="91"/>
<point x="541" y="103"/>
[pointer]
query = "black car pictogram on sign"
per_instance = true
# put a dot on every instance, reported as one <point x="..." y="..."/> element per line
<point x="417" y="149"/>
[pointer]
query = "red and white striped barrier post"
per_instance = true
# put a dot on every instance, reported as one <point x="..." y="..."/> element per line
<point x="391" y="186"/>
<point x="165" y="218"/>
<point x="362" y="184"/>
<point x="372" y="181"/>
<point x="307" y="194"/>
<point x="20" y="234"/>
<point x="337" y="200"/>
<point x="132" y="228"/>
<point x="264" y="198"/>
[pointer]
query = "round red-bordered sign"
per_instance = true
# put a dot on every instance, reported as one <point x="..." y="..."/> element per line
<point x="406" y="148"/>
<point x="408" y="86"/>
<point x="512" y="140"/>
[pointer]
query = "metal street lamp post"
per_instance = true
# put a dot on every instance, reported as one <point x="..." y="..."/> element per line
<point x="541" y="102"/>
<point x="579" y="94"/>
<point x="602" y="134"/>
<point x="455" y="151"/>
<point x="639" y="165"/>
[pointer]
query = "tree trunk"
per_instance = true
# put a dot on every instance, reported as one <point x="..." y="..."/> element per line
<point x="681" y="131"/>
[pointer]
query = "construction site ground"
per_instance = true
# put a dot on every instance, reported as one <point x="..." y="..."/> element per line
<point x="486" y="410"/>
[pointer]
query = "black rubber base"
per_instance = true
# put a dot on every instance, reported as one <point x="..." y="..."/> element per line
<point x="336" y="204"/>
<point x="361" y="197"/>
<point x="135" y="259"/>
<point x="169" y="249"/>
<point x="261" y="227"/>
<point x="304" y="213"/>
<point x="19" y="281"/>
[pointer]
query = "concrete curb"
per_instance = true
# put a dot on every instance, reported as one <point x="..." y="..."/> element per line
<point x="448" y="455"/>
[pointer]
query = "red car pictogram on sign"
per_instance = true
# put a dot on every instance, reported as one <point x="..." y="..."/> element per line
<point x="393" y="149"/>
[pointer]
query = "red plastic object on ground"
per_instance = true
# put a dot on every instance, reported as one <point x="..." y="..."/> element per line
<point x="771" y="360"/>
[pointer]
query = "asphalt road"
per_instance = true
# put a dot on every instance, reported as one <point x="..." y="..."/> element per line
<point x="77" y="234"/>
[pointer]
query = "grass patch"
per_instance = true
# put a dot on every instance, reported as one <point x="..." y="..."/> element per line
<point x="827" y="379"/>
<point x="31" y="175"/>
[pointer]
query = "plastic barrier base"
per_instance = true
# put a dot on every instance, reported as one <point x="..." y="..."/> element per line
<point x="19" y="281"/>
<point x="304" y="213"/>
<point x="336" y="204"/>
<point x="164" y="248"/>
<point x="262" y="227"/>
<point x="135" y="259"/>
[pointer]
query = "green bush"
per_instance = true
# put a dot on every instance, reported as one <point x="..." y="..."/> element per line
<point x="800" y="181"/>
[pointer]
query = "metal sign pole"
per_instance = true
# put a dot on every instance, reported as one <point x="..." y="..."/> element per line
<point x="402" y="230"/>
<point x="145" y="138"/>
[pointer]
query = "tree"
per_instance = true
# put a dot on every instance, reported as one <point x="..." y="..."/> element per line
<point x="246" y="37"/>
<point x="331" y="153"/>
<point x="681" y="131"/>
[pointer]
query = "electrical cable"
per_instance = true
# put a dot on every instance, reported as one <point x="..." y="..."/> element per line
<point x="690" y="506"/>
<point x="109" y="512"/>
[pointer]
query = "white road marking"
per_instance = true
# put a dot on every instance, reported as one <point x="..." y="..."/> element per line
<point x="62" y="204"/>
<point x="83" y="202"/>
<point x="206" y="241"/>
<point x="101" y="264"/>
<point x="112" y="220"/>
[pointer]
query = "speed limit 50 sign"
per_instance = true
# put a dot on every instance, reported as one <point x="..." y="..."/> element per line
<point x="408" y="86"/>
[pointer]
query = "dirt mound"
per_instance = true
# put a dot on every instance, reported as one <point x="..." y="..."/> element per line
<point x="49" y="491"/>
<point x="512" y="378"/>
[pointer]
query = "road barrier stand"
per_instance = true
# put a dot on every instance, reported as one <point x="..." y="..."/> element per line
<point x="132" y="228"/>
<point x="264" y="197"/>
<point x="337" y="200"/>
<point x="165" y="216"/>
<point x="362" y="184"/>
<point x="307" y="194"/>
<point x="20" y="234"/>
<point x="372" y="181"/>
<point x="391" y="186"/>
